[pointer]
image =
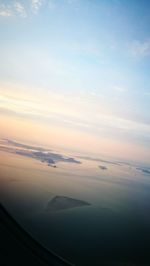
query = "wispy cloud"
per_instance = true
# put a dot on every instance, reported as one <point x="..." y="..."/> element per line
<point x="19" y="8"/>
<point x="14" y="9"/>
<point x="140" y="48"/>
<point x="5" y="10"/>
<point x="36" y="5"/>
<point x="89" y="115"/>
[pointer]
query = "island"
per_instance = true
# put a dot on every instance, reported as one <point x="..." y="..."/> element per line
<point x="102" y="167"/>
<point x="61" y="202"/>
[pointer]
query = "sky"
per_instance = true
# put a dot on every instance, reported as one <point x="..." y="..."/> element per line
<point x="75" y="74"/>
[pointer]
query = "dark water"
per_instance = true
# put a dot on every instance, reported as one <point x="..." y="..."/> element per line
<point x="113" y="230"/>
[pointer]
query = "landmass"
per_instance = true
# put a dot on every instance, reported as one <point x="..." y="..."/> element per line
<point x="102" y="167"/>
<point x="35" y="152"/>
<point x="62" y="202"/>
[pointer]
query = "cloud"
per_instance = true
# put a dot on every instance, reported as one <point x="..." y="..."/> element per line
<point x="19" y="8"/>
<point x="36" y="5"/>
<point x="16" y="8"/>
<point x="139" y="48"/>
<point x="13" y="9"/>
<point x="25" y="146"/>
<point x="100" y="160"/>
<point x="5" y="10"/>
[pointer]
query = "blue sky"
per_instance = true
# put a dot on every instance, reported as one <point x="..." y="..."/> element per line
<point x="92" y="56"/>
